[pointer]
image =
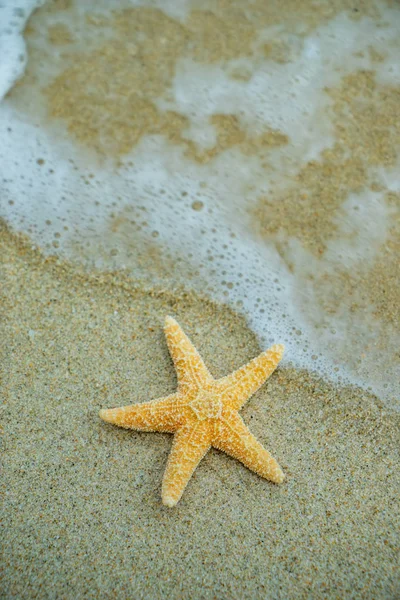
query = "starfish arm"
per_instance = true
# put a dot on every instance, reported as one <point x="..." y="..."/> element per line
<point x="189" y="365"/>
<point x="232" y="436"/>
<point x="190" y="445"/>
<point x="165" y="414"/>
<point x="237" y="388"/>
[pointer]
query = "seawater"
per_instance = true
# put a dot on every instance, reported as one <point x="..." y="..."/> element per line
<point x="169" y="212"/>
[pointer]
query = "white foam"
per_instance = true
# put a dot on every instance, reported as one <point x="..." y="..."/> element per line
<point x="287" y="97"/>
<point x="214" y="250"/>
<point x="13" y="16"/>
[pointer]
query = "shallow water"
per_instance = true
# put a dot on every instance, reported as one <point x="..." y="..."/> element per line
<point x="250" y="155"/>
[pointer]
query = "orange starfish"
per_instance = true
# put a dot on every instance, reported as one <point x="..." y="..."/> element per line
<point x="202" y="413"/>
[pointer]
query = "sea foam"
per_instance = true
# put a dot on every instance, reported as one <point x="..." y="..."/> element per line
<point x="197" y="218"/>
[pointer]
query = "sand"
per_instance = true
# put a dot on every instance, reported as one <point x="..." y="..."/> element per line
<point x="82" y="515"/>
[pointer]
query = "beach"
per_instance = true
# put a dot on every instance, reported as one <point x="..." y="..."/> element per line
<point x="82" y="511"/>
<point x="235" y="168"/>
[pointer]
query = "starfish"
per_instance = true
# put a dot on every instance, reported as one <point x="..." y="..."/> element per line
<point x="204" y="412"/>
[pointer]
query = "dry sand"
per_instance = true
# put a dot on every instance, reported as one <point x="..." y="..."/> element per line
<point x="82" y="514"/>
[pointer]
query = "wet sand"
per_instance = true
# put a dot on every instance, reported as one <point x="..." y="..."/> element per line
<point x="82" y="513"/>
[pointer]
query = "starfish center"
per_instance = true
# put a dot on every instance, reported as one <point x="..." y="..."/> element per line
<point x="206" y="405"/>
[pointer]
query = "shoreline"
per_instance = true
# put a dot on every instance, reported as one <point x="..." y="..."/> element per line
<point x="82" y="511"/>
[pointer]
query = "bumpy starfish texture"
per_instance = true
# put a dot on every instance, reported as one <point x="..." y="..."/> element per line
<point x="202" y="413"/>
